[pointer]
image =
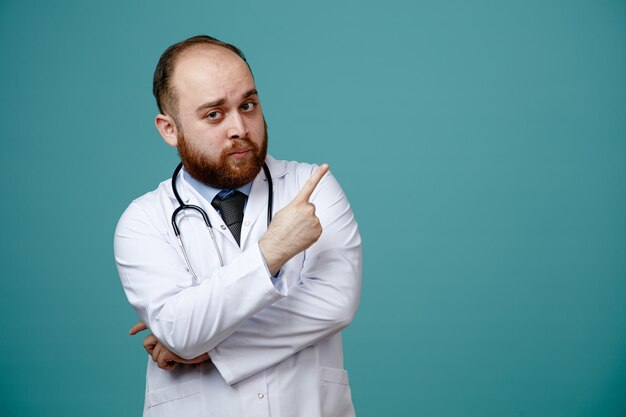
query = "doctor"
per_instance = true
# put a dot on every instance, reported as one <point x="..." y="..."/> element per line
<point x="247" y="322"/>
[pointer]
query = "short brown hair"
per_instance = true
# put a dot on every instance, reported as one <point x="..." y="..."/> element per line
<point x="162" y="89"/>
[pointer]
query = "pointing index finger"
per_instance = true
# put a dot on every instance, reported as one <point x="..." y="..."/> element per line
<point x="311" y="184"/>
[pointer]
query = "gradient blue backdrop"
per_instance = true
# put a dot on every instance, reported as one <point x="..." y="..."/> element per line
<point x="495" y="287"/>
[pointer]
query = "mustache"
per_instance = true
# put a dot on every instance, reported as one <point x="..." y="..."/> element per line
<point x="239" y="144"/>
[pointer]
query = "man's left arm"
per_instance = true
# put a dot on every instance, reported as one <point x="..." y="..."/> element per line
<point x="322" y="303"/>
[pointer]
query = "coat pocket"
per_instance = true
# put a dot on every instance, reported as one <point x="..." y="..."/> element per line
<point x="335" y="396"/>
<point x="178" y="400"/>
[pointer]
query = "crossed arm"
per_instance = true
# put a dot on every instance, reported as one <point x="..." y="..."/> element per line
<point x="323" y="304"/>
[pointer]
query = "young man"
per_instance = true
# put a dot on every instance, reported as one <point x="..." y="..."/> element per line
<point x="245" y="315"/>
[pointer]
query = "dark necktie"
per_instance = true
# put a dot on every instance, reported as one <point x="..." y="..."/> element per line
<point x="230" y="204"/>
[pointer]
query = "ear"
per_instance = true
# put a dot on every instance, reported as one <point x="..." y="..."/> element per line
<point x="167" y="128"/>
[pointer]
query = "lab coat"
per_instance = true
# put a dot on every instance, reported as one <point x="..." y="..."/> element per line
<point x="275" y="344"/>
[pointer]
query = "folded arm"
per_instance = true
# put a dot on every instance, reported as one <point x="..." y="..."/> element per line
<point x="188" y="320"/>
<point x="192" y="320"/>
<point x="196" y="320"/>
<point x="322" y="303"/>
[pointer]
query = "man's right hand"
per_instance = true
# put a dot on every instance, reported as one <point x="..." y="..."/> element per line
<point x="294" y="228"/>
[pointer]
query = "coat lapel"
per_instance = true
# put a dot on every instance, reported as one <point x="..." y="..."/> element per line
<point x="255" y="216"/>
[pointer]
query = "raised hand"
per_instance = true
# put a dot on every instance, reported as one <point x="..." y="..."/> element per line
<point x="294" y="228"/>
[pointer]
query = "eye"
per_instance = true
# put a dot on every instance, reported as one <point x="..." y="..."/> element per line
<point x="214" y="115"/>
<point x="249" y="106"/>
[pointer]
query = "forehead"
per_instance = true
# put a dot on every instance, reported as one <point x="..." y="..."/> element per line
<point x="210" y="72"/>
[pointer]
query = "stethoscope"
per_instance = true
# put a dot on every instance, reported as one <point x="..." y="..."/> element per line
<point x="182" y="207"/>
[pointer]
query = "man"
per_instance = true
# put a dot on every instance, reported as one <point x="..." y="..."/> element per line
<point x="246" y="315"/>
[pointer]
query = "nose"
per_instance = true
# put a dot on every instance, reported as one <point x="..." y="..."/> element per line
<point x="237" y="128"/>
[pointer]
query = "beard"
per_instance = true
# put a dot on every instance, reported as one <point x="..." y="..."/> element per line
<point x="225" y="172"/>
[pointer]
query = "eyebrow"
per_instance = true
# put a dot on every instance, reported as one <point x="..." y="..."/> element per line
<point x="221" y="101"/>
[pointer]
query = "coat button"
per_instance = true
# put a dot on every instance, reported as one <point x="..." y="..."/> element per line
<point x="260" y="396"/>
<point x="223" y="227"/>
<point x="246" y="223"/>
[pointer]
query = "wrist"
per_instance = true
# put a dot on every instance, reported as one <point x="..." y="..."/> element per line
<point x="274" y="258"/>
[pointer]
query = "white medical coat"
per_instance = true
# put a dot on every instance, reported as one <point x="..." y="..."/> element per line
<point x="275" y="348"/>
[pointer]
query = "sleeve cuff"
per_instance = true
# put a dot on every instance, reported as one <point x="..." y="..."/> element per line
<point x="276" y="280"/>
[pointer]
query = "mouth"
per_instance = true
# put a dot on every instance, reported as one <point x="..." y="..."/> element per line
<point x="239" y="153"/>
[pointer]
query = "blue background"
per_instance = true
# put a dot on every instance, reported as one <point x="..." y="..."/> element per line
<point x="495" y="287"/>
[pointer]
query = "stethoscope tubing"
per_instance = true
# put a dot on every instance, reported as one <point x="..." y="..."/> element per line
<point x="182" y="207"/>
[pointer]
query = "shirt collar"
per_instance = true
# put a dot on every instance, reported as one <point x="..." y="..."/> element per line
<point x="209" y="192"/>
